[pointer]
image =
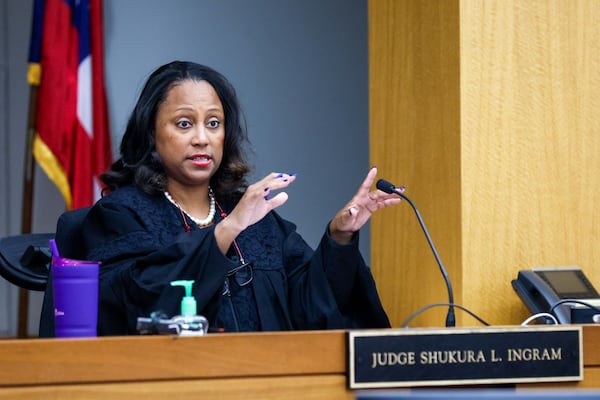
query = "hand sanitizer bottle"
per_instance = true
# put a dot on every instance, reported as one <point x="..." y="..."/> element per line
<point x="190" y="322"/>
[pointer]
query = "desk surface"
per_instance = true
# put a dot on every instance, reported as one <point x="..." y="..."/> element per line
<point x="252" y="364"/>
<point x="135" y="358"/>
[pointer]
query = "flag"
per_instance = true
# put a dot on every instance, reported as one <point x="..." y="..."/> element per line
<point x="66" y="62"/>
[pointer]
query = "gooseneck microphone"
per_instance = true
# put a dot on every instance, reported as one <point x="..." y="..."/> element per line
<point x="389" y="188"/>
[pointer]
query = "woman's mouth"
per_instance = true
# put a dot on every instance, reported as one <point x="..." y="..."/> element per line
<point x="200" y="160"/>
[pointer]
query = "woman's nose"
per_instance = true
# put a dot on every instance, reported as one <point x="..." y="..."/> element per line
<point x="200" y="136"/>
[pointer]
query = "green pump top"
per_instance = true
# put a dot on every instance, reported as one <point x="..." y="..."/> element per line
<point x="188" y="302"/>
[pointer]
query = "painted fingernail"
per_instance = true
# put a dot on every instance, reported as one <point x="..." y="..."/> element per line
<point x="267" y="193"/>
<point x="280" y="175"/>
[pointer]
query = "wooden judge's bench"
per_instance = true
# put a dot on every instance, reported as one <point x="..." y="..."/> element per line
<point x="280" y="365"/>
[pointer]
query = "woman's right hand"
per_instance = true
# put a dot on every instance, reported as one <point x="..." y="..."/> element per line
<point x="254" y="205"/>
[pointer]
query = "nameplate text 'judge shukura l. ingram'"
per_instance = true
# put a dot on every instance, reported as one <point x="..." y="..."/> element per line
<point x="429" y="357"/>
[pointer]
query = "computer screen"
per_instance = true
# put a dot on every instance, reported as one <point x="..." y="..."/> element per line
<point x="568" y="281"/>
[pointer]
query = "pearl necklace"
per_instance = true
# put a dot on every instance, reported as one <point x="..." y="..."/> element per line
<point x="200" y="222"/>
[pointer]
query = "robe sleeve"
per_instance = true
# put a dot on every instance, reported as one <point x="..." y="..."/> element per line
<point x="332" y="287"/>
<point x="137" y="268"/>
<point x="352" y="283"/>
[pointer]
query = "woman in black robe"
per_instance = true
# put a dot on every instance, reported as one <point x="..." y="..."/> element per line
<point x="182" y="157"/>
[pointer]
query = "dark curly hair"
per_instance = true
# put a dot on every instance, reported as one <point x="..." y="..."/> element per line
<point x="139" y="163"/>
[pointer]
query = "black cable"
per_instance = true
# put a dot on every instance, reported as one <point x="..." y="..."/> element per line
<point x="588" y="305"/>
<point x="419" y="311"/>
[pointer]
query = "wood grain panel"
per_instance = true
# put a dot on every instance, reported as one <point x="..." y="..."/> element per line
<point x="289" y="365"/>
<point x="267" y="388"/>
<point x="488" y="112"/>
<point x="530" y="145"/>
<point x="415" y="141"/>
<point x="164" y="357"/>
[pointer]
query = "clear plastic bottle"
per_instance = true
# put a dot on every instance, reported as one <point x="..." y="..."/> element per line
<point x="189" y="322"/>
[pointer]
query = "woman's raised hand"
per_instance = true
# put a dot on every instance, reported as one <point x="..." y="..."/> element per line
<point x="256" y="202"/>
<point x="258" y="199"/>
<point x="359" y="209"/>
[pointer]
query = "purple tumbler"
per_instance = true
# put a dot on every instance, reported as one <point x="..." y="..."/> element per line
<point x="75" y="286"/>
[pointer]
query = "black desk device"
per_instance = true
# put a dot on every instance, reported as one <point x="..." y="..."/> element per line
<point x="541" y="288"/>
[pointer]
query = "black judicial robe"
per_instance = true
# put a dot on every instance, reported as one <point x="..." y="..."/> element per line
<point x="143" y="246"/>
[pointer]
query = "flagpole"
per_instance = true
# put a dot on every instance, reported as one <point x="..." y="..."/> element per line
<point x="44" y="128"/>
<point x="27" y="210"/>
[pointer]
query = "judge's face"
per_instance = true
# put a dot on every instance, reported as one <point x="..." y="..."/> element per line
<point x="190" y="131"/>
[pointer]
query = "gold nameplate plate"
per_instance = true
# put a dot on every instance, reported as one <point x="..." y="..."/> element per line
<point x="458" y="356"/>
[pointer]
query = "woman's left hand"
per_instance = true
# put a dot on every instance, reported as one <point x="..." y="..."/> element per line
<point x="357" y="211"/>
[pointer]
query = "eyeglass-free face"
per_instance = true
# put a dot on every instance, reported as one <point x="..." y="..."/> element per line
<point x="190" y="132"/>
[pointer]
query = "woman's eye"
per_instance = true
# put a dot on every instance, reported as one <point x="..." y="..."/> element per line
<point x="214" y="123"/>
<point x="184" y="124"/>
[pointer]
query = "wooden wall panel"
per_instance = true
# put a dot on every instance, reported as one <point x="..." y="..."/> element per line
<point x="530" y="80"/>
<point x="488" y="112"/>
<point x="415" y="141"/>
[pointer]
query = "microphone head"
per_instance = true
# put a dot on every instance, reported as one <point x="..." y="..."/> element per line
<point x="386" y="186"/>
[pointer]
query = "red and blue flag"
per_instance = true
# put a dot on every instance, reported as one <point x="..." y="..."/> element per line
<point x="66" y="61"/>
